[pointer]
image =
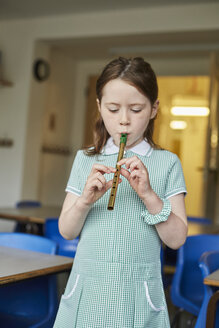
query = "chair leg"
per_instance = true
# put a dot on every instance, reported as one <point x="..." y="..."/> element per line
<point x="175" y="321"/>
<point x="191" y="321"/>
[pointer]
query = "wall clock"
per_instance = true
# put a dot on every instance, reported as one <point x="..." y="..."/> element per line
<point x="41" y="70"/>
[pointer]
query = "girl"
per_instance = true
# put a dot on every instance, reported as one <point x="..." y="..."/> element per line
<point x="116" y="277"/>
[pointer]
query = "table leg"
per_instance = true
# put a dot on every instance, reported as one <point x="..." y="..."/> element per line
<point x="211" y="310"/>
<point x="31" y="228"/>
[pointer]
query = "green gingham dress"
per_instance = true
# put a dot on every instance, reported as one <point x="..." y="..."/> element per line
<point x="116" y="279"/>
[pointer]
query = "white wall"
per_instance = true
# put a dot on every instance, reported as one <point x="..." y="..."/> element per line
<point x="54" y="167"/>
<point x="16" y="45"/>
<point x="17" y="42"/>
<point x="34" y="128"/>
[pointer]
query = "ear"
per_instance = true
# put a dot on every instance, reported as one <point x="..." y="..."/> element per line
<point x="98" y="104"/>
<point x="154" y="109"/>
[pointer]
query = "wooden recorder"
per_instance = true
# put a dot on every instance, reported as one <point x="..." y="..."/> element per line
<point x="112" y="198"/>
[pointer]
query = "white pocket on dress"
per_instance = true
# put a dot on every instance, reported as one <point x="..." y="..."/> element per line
<point x="157" y="309"/>
<point x="73" y="289"/>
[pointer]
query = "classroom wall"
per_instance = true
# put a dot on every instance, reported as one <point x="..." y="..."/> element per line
<point x="38" y="94"/>
<point x="18" y="39"/>
<point x="57" y="126"/>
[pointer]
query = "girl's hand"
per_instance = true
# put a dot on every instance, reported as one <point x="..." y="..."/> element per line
<point x="96" y="184"/>
<point x="137" y="175"/>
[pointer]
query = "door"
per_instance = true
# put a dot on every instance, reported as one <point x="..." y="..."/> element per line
<point x="211" y="173"/>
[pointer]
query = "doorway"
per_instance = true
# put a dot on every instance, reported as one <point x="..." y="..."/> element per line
<point x="185" y="135"/>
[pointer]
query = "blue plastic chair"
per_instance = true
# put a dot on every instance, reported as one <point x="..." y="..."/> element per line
<point x="28" y="203"/>
<point x="199" y="220"/>
<point x="65" y="247"/>
<point x="31" y="303"/>
<point x="208" y="263"/>
<point x="170" y="255"/>
<point x="33" y="228"/>
<point x="187" y="291"/>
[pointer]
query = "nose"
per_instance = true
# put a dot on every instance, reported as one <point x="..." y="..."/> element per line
<point x="124" y="118"/>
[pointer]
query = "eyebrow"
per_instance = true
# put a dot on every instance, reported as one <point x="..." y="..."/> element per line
<point x="137" y="104"/>
<point x="134" y="104"/>
<point x="112" y="103"/>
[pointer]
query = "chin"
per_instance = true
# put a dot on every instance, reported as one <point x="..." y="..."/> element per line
<point x="132" y="143"/>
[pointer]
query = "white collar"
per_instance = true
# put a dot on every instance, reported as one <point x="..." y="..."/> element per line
<point x="143" y="148"/>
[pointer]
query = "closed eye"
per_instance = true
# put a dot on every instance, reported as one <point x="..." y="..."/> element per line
<point x="113" y="110"/>
<point x="136" y="110"/>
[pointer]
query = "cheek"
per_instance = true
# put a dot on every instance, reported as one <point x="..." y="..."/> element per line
<point x="109" y="122"/>
<point x="142" y="123"/>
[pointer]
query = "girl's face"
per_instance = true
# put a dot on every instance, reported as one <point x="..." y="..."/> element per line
<point x="125" y="110"/>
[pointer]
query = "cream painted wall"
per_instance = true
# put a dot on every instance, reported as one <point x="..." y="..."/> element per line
<point x="17" y="42"/>
<point x="54" y="168"/>
<point x="34" y="129"/>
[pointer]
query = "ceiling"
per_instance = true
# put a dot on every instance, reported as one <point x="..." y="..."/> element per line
<point x="150" y="45"/>
<point x="17" y="9"/>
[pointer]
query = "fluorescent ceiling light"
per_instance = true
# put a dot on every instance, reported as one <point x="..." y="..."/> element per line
<point x="189" y="111"/>
<point x="178" y="125"/>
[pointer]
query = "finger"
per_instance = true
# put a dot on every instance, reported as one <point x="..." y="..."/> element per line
<point x="137" y="164"/>
<point x="110" y="183"/>
<point x="97" y="181"/>
<point x="127" y="161"/>
<point x="102" y="168"/>
<point x="125" y="173"/>
<point x="100" y="177"/>
<point x="122" y="161"/>
<point x="135" y="174"/>
<point x="98" y="184"/>
<point x="112" y="169"/>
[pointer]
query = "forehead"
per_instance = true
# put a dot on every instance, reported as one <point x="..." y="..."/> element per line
<point x="116" y="90"/>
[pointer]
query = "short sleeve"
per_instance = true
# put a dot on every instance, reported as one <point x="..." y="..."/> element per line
<point x="175" y="182"/>
<point x="74" y="182"/>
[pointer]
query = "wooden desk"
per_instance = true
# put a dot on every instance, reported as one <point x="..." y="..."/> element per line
<point x="212" y="280"/>
<point x="18" y="264"/>
<point x="31" y="214"/>
<point x="40" y="214"/>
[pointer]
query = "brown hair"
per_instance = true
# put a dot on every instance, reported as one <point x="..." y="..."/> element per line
<point x="136" y="72"/>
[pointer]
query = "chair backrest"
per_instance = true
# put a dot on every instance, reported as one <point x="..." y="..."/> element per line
<point x="65" y="247"/>
<point x="33" y="302"/>
<point x="29" y="242"/>
<point x="208" y="263"/>
<point x="199" y="220"/>
<point x="51" y="228"/>
<point x="187" y="288"/>
<point x="28" y="203"/>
